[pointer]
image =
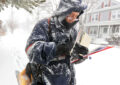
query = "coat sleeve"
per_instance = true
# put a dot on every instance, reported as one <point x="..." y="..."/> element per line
<point x="39" y="49"/>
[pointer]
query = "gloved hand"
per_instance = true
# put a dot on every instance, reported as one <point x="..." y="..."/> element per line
<point x="62" y="49"/>
<point x="63" y="44"/>
<point x="78" y="52"/>
<point x="79" y="49"/>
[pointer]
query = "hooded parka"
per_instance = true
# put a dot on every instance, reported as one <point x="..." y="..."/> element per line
<point x="46" y="66"/>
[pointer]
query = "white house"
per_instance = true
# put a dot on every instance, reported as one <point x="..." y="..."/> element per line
<point x="104" y="20"/>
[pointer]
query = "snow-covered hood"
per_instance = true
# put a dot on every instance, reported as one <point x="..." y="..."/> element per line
<point x="66" y="7"/>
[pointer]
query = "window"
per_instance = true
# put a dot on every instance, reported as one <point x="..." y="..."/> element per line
<point x="118" y="14"/>
<point x="88" y="18"/>
<point x="104" y="16"/>
<point x="95" y="31"/>
<point x="106" y="3"/>
<point x="105" y="30"/>
<point x="115" y="28"/>
<point x="95" y="17"/>
<point x="113" y="15"/>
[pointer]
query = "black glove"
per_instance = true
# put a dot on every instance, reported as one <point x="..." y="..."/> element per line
<point x="79" y="49"/>
<point x="62" y="49"/>
<point x="63" y="44"/>
<point x="78" y="52"/>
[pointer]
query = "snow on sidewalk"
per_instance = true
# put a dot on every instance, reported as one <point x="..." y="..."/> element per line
<point x="102" y="69"/>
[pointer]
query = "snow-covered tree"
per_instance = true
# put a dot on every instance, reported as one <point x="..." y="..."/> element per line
<point x="26" y="4"/>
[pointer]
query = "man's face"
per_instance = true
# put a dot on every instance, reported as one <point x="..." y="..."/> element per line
<point x="71" y="17"/>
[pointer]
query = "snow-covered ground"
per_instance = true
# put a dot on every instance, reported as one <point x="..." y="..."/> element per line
<point x="11" y="48"/>
<point x="102" y="69"/>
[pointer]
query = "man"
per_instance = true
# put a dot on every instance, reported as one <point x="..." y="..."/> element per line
<point x="49" y="45"/>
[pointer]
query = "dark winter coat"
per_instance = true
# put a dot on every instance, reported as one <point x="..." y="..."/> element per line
<point x="41" y="50"/>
